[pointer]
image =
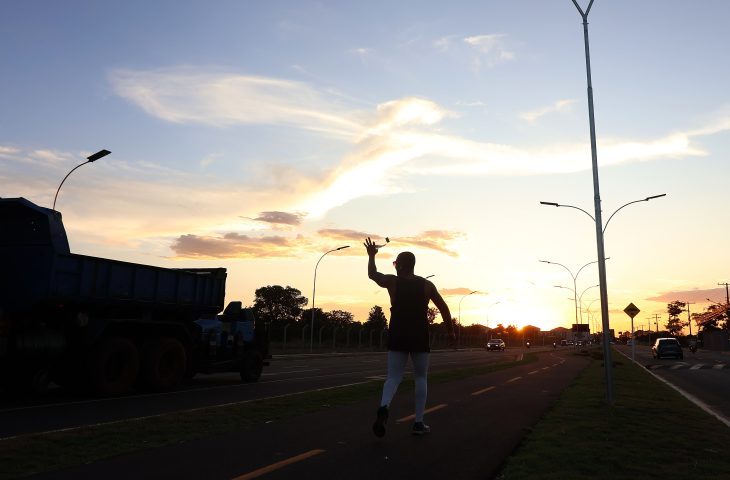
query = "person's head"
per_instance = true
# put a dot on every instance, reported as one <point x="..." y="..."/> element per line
<point x="405" y="262"/>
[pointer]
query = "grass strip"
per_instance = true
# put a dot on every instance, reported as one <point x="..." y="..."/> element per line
<point x="35" y="453"/>
<point x="651" y="432"/>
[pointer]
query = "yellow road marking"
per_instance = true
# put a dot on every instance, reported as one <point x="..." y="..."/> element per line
<point x="278" y="465"/>
<point x="428" y="410"/>
<point x="483" y="390"/>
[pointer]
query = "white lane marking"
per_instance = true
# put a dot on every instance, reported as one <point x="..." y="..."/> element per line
<point x="484" y="390"/>
<point x="719" y="366"/>
<point x="513" y="379"/>
<point x="696" y="367"/>
<point x="545" y="368"/>
<point x="533" y="372"/>
<point x="677" y="367"/>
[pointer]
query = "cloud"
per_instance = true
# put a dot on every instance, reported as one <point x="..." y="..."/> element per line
<point x="188" y="95"/>
<point x="397" y="139"/>
<point x="491" y="49"/>
<point x="234" y="245"/>
<point x="558" y="106"/>
<point x="452" y="292"/>
<point x="280" y="218"/>
<point x="693" y="296"/>
<point x="435" y="240"/>
<point x="483" y="50"/>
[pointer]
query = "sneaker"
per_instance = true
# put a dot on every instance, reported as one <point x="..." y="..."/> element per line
<point x="379" y="425"/>
<point x="420" y="428"/>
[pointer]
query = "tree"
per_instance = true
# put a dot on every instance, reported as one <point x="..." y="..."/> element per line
<point x="376" y="319"/>
<point x="340" y="318"/>
<point x="278" y="305"/>
<point x="674" y="324"/>
<point x="432" y="313"/>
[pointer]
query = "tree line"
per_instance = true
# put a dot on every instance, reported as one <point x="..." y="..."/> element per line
<point x="280" y="306"/>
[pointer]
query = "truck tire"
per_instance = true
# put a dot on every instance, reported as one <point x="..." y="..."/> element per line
<point x="253" y="363"/>
<point x="164" y="364"/>
<point x="114" y="365"/>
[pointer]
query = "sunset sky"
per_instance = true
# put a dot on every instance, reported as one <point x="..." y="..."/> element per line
<point x="257" y="135"/>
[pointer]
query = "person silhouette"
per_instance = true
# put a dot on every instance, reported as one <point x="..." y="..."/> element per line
<point x="407" y="332"/>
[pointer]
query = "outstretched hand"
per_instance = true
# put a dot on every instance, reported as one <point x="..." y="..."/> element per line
<point x="370" y="246"/>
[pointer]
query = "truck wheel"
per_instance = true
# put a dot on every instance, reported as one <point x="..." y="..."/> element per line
<point x="252" y="365"/>
<point x="114" y="365"/>
<point x="165" y="363"/>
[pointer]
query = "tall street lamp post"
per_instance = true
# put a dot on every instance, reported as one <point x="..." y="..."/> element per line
<point x="597" y="209"/>
<point x="462" y="299"/>
<point x="89" y="159"/>
<point x="314" y="289"/>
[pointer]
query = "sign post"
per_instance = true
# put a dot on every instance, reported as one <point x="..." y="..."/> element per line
<point x="632" y="310"/>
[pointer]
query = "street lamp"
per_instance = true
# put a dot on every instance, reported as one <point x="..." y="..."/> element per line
<point x="580" y="300"/>
<point x="603" y="230"/>
<point x="314" y="289"/>
<point x="495" y="303"/>
<point x="89" y="159"/>
<point x="462" y="299"/>
<point x="574" y="277"/>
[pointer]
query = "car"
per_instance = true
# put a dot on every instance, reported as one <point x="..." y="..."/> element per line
<point x="667" y="347"/>
<point x="629" y="343"/>
<point x="495" y="344"/>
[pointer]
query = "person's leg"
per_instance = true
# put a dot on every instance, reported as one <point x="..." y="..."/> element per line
<point x="396" y="367"/>
<point x="420" y="373"/>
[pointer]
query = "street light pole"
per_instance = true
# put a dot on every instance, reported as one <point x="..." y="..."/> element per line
<point x="314" y="289"/>
<point x="90" y="159"/>
<point x="574" y="277"/>
<point x="462" y="299"/>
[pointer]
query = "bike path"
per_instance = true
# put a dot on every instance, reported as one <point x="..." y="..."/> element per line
<point x="476" y="423"/>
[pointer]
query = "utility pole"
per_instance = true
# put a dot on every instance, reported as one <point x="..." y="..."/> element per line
<point x="689" y="318"/>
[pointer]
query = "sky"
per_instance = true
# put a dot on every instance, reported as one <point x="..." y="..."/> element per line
<point x="258" y="135"/>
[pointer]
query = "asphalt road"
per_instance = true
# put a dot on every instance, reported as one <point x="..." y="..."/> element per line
<point x="477" y="422"/>
<point x="704" y="375"/>
<point x="61" y="409"/>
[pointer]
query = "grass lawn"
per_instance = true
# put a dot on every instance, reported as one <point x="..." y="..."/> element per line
<point x="650" y="432"/>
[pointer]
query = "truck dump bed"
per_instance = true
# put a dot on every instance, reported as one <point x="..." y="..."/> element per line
<point x="37" y="270"/>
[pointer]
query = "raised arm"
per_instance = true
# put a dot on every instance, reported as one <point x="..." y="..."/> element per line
<point x="385" y="281"/>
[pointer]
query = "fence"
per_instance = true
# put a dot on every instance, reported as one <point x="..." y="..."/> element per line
<point x="293" y="338"/>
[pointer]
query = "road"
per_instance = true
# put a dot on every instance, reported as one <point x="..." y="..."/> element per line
<point x="704" y="375"/>
<point x="285" y="375"/>
<point x="477" y="422"/>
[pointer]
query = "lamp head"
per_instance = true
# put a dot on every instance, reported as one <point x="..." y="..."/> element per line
<point x="96" y="156"/>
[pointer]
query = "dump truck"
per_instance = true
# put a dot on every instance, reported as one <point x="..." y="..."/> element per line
<point x="115" y="326"/>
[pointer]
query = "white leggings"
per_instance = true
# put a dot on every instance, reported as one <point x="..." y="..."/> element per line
<point x="396" y="366"/>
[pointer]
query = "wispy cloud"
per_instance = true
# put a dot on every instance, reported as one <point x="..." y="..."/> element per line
<point x="491" y="49"/>
<point x="695" y="296"/>
<point x="240" y="245"/>
<point x="486" y="50"/>
<point x="452" y="292"/>
<point x="434" y="240"/>
<point x="558" y="106"/>
<point x="188" y="95"/>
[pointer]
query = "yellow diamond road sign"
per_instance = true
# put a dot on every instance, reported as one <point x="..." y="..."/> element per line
<point x="631" y="310"/>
